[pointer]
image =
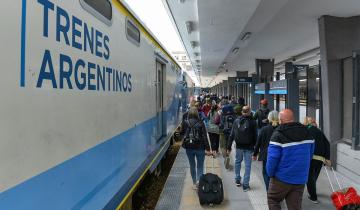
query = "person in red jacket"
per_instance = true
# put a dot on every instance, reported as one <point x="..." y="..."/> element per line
<point x="207" y="106"/>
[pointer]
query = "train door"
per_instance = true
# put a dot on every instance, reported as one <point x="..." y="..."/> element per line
<point x="159" y="99"/>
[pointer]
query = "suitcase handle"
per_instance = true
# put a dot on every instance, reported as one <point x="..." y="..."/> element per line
<point x="212" y="155"/>
<point x="336" y="178"/>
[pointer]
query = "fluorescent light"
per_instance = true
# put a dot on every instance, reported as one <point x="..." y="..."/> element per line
<point x="235" y="50"/>
<point x="193" y="44"/>
<point x="302" y="80"/>
<point x="189" y="26"/>
<point x="246" y="36"/>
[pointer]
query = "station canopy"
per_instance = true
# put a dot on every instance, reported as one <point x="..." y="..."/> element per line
<point x="225" y="36"/>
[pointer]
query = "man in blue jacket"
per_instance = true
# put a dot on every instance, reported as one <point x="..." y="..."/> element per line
<point x="289" y="154"/>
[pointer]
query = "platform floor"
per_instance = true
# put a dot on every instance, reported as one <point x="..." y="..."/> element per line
<point x="179" y="195"/>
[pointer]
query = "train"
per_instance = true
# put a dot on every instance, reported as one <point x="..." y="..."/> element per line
<point x="89" y="103"/>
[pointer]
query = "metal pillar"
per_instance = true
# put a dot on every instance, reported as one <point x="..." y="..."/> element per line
<point x="277" y="96"/>
<point x="292" y="99"/>
<point x="255" y="98"/>
<point x="311" y="92"/>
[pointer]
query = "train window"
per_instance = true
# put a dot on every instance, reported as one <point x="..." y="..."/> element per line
<point x="101" y="9"/>
<point x="132" y="32"/>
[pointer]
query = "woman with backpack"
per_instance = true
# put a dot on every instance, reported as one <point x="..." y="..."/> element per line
<point x="213" y="127"/>
<point x="262" y="143"/>
<point x="196" y="144"/>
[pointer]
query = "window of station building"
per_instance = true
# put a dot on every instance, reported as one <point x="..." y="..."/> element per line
<point x="101" y="9"/>
<point x="132" y="32"/>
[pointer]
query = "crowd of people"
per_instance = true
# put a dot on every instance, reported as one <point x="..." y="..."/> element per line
<point x="292" y="153"/>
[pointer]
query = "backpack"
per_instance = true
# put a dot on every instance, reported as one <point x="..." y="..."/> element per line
<point x="243" y="132"/>
<point x="262" y="115"/>
<point x="193" y="135"/>
<point x="228" y="122"/>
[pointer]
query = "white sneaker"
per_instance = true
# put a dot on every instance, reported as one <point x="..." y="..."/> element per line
<point x="195" y="187"/>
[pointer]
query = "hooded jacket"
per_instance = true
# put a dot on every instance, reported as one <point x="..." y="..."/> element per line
<point x="290" y="151"/>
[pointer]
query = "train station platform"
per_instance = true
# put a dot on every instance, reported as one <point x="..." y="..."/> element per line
<point x="179" y="195"/>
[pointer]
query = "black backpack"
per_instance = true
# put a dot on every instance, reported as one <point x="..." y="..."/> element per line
<point x="228" y="122"/>
<point x="210" y="189"/>
<point x="193" y="134"/>
<point x="243" y="131"/>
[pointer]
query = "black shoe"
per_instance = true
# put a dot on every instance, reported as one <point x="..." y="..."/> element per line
<point x="314" y="201"/>
<point x="238" y="183"/>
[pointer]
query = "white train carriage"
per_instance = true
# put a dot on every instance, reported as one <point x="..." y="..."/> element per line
<point x="89" y="101"/>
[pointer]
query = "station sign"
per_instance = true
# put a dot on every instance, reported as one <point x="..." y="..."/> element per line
<point x="260" y="88"/>
<point x="241" y="80"/>
<point x="278" y="87"/>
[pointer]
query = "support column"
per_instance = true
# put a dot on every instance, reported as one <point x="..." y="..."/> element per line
<point x="311" y="93"/>
<point x="255" y="98"/>
<point x="339" y="37"/>
<point x="292" y="99"/>
<point x="277" y="107"/>
<point x="265" y="70"/>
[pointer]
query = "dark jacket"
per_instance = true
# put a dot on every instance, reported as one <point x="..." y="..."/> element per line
<point x="200" y="126"/>
<point x="290" y="151"/>
<point x="239" y="137"/>
<point x="261" y="117"/>
<point x="322" y="145"/>
<point x="262" y="142"/>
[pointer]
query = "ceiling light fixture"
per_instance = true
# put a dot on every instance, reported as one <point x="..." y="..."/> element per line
<point x="246" y="36"/>
<point x="193" y="44"/>
<point x="235" y="50"/>
<point x="189" y="26"/>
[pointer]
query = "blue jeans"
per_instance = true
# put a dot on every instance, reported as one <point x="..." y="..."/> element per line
<point x="240" y="155"/>
<point x="196" y="168"/>
<point x="265" y="176"/>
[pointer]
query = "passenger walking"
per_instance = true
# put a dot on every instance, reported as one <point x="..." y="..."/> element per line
<point x="200" y="111"/>
<point x="321" y="156"/>
<point x="262" y="143"/>
<point x="196" y="143"/>
<point x="213" y="127"/>
<point x="290" y="151"/>
<point x="262" y="114"/>
<point x="227" y="120"/>
<point x="244" y="134"/>
<point x="207" y="106"/>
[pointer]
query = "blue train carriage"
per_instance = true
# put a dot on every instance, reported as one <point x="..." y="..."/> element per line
<point x="88" y="104"/>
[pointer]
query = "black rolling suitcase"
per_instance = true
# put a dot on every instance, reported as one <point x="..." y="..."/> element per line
<point x="210" y="189"/>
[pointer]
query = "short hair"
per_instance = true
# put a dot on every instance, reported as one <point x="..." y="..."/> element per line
<point x="193" y="113"/>
<point x="246" y="110"/>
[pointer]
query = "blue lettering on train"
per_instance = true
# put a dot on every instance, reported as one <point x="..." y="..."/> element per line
<point x="78" y="73"/>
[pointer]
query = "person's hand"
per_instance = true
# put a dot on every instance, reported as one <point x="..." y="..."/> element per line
<point x="254" y="157"/>
<point x="327" y="162"/>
